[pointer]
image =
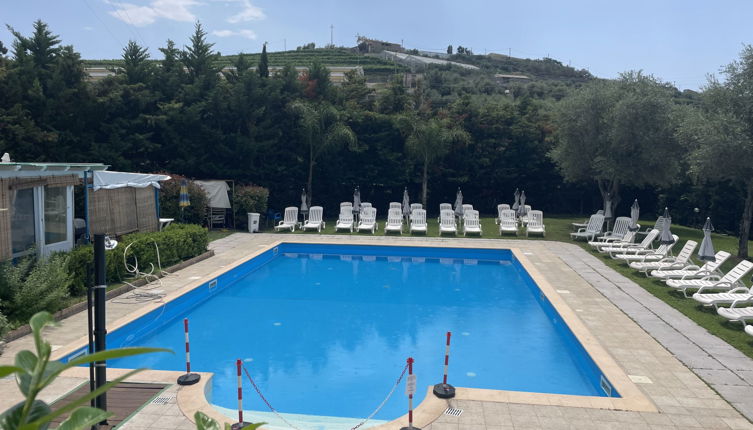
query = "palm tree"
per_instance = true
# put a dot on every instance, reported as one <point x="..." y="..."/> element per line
<point x="323" y="128"/>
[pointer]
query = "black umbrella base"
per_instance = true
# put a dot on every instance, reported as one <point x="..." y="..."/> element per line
<point x="189" y="379"/>
<point x="444" y="391"/>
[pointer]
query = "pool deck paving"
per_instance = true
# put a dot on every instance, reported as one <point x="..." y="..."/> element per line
<point x="691" y="378"/>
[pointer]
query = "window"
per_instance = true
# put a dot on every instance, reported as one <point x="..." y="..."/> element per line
<point x="22" y="220"/>
<point x="55" y="215"/>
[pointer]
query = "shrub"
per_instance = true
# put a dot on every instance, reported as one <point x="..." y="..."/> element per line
<point x="169" y="195"/>
<point x="249" y="198"/>
<point x="176" y="243"/>
<point x="45" y="289"/>
<point x="4" y="326"/>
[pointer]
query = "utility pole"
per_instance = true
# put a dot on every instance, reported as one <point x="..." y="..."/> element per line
<point x="331" y="35"/>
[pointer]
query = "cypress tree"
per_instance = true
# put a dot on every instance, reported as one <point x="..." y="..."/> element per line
<point x="264" y="63"/>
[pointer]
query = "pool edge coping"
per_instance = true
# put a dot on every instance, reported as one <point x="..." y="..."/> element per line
<point x="193" y="399"/>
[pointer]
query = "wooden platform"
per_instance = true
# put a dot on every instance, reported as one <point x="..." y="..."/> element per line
<point x="122" y="400"/>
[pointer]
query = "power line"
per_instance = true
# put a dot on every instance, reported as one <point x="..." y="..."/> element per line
<point x="103" y="24"/>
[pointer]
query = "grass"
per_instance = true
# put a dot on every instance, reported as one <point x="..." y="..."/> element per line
<point x="219" y="234"/>
<point x="558" y="228"/>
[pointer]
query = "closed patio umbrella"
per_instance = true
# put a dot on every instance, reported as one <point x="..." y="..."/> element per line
<point x="406" y="203"/>
<point x="635" y="212"/>
<point x="516" y="204"/>
<point x="665" y="237"/>
<point x="706" y="251"/>
<point x="608" y="209"/>
<point x="522" y="206"/>
<point x="183" y="200"/>
<point x="459" y="203"/>
<point x="304" y="204"/>
<point x="356" y="203"/>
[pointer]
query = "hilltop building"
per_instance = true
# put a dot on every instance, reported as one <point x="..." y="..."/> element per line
<point x="374" y="46"/>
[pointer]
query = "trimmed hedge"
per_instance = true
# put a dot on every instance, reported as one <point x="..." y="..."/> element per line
<point x="176" y="243"/>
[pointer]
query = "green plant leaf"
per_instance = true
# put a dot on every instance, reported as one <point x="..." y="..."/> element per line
<point x="26" y="360"/>
<point x="203" y="422"/>
<point x="11" y="418"/>
<point x="84" y="399"/>
<point x="9" y="370"/>
<point x="83" y="417"/>
<point x="39" y="321"/>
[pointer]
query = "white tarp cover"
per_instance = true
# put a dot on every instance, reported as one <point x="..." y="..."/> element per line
<point x="217" y="193"/>
<point x="107" y="180"/>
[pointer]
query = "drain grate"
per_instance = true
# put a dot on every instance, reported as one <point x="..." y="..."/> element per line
<point x="453" y="412"/>
<point x="162" y="400"/>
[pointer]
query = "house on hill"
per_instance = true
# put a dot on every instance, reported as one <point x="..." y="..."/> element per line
<point x="371" y="46"/>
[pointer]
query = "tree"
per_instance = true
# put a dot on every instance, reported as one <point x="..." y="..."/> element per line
<point x="428" y="141"/>
<point x="323" y="128"/>
<point x="719" y="135"/>
<point x="199" y="58"/>
<point x="136" y="66"/>
<point x="617" y="133"/>
<point x="264" y="63"/>
<point x="449" y="49"/>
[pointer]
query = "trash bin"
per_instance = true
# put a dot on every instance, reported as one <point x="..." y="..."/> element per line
<point x="253" y="222"/>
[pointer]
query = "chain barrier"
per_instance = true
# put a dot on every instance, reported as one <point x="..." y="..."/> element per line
<point x="376" y="411"/>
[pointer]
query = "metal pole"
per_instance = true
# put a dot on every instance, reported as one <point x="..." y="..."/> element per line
<point x="90" y="331"/>
<point x="100" y="331"/>
<point x="87" y="237"/>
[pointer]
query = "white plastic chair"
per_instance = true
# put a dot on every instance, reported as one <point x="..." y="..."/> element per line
<point x="316" y="220"/>
<point x="592" y="228"/>
<point x="535" y="223"/>
<point x="289" y="220"/>
<point x="418" y="221"/>
<point x="394" y="221"/>
<point x="471" y="222"/>
<point x="447" y="222"/>
<point x="368" y="220"/>
<point x="500" y="208"/>
<point x="345" y="220"/>
<point x="508" y="222"/>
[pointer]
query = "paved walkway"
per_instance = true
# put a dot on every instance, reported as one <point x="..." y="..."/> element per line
<point x="674" y="362"/>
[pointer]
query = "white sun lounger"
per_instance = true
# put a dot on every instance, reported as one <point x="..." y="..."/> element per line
<point x="396" y="205"/>
<point x="643" y="254"/>
<point x="345" y="221"/>
<point x="591" y="230"/>
<point x="289" y="220"/>
<point x="500" y="208"/>
<point x="414" y="206"/>
<point x="583" y="224"/>
<point x="535" y="223"/>
<point x="693" y="271"/>
<point x="738" y="314"/>
<point x="626" y="240"/>
<point x="508" y="222"/>
<point x="682" y="259"/>
<point x="447" y="222"/>
<point x="315" y="221"/>
<point x="734" y="297"/>
<point x="727" y="282"/>
<point x="368" y="220"/>
<point x="418" y="221"/>
<point x="471" y="222"/>
<point x="394" y="221"/>
<point x="618" y="232"/>
<point x="645" y="245"/>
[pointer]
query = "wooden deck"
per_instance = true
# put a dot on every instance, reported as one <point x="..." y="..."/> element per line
<point x="122" y="400"/>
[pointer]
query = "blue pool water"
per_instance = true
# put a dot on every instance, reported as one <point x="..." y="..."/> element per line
<point x="325" y="329"/>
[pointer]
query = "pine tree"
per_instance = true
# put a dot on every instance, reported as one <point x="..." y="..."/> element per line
<point x="264" y="63"/>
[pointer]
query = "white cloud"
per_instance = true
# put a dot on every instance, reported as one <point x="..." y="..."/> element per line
<point x="87" y="28"/>
<point x="248" y="34"/>
<point x="248" y="12"/>
<point x="174" y="10"/>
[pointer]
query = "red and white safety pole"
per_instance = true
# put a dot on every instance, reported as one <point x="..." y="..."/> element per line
<point x="240" y="424"/>
<point x="410" y="389"/>
<point x="445" y="390"/>
<point x="189" y="378"/>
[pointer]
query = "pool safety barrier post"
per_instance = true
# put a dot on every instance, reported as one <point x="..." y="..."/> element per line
<point x="240" y="424"/>
<point x="189" y="378"/>
<point x="445" y="390"/>
<point x="100" y="329"/>
<point x="410" y="390"/>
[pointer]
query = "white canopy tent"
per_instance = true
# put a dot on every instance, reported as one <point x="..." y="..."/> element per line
<point x="218" y="192"/>
<point x="109" y="180"/>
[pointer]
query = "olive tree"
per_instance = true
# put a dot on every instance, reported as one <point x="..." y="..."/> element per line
<point x="617" y="132"/>
<point x="719" y="135"/>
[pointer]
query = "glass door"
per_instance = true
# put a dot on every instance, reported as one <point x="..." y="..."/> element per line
<point x="57" y="223"/>
<point x="23" y="228"/>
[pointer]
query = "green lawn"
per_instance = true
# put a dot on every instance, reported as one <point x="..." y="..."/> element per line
<point x="558" y="228"/>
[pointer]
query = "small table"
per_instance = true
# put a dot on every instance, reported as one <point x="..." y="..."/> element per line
<point x="164" y="222"/>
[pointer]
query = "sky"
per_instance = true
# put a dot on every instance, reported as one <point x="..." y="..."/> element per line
<point x="680" y="42"/>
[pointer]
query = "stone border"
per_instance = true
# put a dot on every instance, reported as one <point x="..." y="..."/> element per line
<point x="81" y="306"/>
<point x="724" y="368"/>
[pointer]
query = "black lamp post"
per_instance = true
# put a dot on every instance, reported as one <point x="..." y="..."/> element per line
<point x="100" y="331"/>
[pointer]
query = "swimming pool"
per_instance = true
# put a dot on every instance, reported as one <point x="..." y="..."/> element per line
<point x="325" y="329"/>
